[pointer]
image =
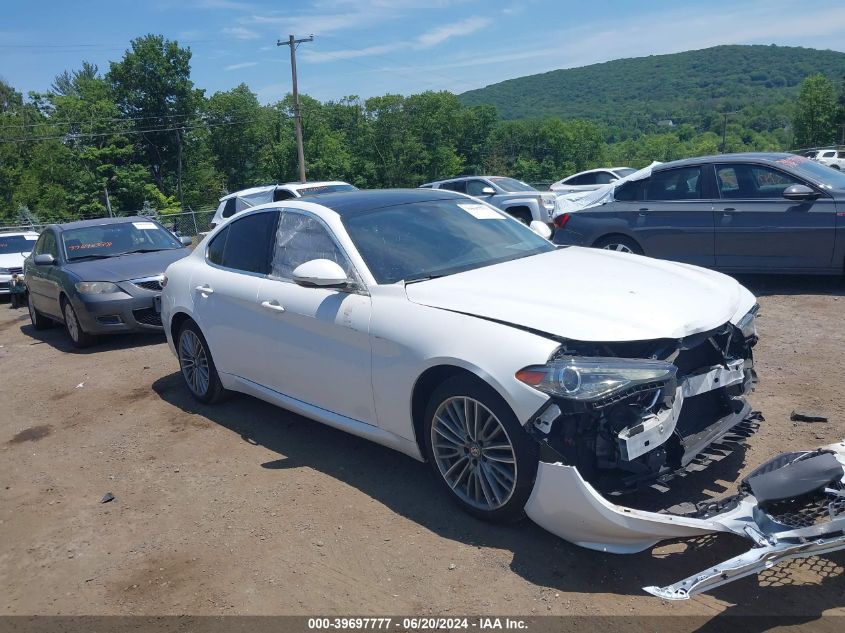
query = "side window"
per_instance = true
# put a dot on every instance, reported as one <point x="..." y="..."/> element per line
<point x="583" y="179"/>
<point x="455" y="185"/>
<point x="474" y="187"/>
<point x="282" y="194"/>
<point x="630" y="191"/>
<point x="47" y="244"/>
<point x="674" y="184"/>
<point x="829" y="155"/>
<point x="750" y="182"/>
<point x="214" y="254"/>
<point x="604" y="178"/>
<point x="299" y="239"/>
<point x="250" y="242"/>
<point x="229" y="208"/>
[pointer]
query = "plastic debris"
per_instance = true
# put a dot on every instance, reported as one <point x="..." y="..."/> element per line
<point x="805" y="416"/>
<point x="107" y="497"/>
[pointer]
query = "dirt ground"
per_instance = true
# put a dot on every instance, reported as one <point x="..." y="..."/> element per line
<point x="244" y="508"/>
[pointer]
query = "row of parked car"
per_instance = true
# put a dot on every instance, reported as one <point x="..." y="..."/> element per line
<point x="530" y="377"/>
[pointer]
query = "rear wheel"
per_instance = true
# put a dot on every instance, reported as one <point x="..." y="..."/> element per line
<point x="619" y="243"/>
<point x="79" y="337"/>
<point x="478" y="451"/>
<point x="39" y="321"/>
<point x="197" y="366"/>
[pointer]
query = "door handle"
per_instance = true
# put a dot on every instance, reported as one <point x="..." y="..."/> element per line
<point x="728" y="210"/>
<point x="205" y="289"/>
<point x="273" y="305"/>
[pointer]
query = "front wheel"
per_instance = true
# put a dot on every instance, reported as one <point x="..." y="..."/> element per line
<point x="197" y="366"/>
<point x="479" y="452"/>
<point x="79" y="337"/>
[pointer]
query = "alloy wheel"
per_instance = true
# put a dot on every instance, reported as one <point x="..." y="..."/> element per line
<point x="619" y="248"/>
<point x="194" y="362"/>
<point x="473" y="453"/>
<point x="71" y="322"/>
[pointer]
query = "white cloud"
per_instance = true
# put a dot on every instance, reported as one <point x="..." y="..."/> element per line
<point x="350" y="53"/>
<point x="447" y="31"/>
<point x="240" y="66"/>
<point x="232" y="5"/>
<point x="240" y="33"/>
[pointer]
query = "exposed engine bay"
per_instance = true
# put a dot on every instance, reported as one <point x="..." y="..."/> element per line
<point x="651" y="408"/>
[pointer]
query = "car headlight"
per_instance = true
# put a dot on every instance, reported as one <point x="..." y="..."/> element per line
<point x="588" y="379"/>
<point x="748" y="324"/>
<point x="96" y="287"/>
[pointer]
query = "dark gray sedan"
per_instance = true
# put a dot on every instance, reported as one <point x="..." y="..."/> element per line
<point x="763" y="213"/>
<point x="100" y="276"/>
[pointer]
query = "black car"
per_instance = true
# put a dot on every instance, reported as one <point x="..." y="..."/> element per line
<point x="762" y="213"/>
<point x="100" y="276"/>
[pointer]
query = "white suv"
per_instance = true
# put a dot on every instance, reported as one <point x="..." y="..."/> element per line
<point x="247" y="198"/>
<point x="14" y="248"/>
<point x="830" y="157"/>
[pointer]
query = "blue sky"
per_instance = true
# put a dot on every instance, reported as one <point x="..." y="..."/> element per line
<point x="371" y="47"/>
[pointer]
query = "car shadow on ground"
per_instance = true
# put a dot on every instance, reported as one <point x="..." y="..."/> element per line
<point x="764" y="285"/>
<point x="406" y="487"/>
<point x="58" y="338"/>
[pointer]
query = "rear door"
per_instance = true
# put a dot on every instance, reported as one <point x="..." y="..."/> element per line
<point x="758" y="229"/>
<point x="226" y="294"/>
<point x="670" y="214"/>
<point x="320" y="348"/>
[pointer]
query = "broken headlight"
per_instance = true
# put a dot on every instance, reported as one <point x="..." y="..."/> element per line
<point x="748" y="324"/>
<point x="589" y="379"/>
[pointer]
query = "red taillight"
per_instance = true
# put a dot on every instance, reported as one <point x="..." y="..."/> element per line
<point x="561" y="220"/>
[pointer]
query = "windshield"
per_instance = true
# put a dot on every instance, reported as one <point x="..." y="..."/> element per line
<point x="10" y="244"/>
<point x="110" y="240"/>
<point x="624" y="171"/>
<point x="822" y="174"/>
<point x="511" y="185"/>
<point x="438" y="237"/>
<point x="312" y="191"/>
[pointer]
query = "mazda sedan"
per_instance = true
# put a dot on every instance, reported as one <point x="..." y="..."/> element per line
<point x="100" y="276"/>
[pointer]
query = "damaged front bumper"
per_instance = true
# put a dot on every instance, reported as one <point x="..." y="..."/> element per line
<point x="792" y="506"/>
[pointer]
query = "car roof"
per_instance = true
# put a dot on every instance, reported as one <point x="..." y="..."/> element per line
<point x="346" y="203"/>
<point x="289" y="185"/>
<point x="81" y="224"/>
<point x="747" y="157"/>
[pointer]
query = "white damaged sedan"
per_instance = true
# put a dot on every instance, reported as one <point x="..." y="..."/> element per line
<point x="531" y="378"/>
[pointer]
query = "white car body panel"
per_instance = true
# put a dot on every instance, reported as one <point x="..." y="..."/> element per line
<point x="15" y="260"/>
<point x="623" y="298"/>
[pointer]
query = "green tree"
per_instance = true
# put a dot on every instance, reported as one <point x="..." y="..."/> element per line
<point x="816" y="112"/>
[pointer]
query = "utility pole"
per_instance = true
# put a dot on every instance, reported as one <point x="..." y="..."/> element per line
<point x="108" y="202"/>
<point x="297" y="116"/>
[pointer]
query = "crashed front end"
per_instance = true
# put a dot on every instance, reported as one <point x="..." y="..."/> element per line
<point x="622" y="414"/>
<point x="627" y="413"/>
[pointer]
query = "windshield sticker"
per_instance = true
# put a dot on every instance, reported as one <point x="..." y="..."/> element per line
<point x="85" y="247"/>
<point x="792" y="161"/>
<point x="481" y="211"/>
<point x="146" y="226"/>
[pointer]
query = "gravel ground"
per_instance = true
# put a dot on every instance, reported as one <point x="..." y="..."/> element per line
<point x="244" y="508"/>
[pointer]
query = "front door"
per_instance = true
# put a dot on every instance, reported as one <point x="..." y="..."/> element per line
<point x="321" y="341"/>
<point x="43" y="281"/>
<point x="757" y="228"/>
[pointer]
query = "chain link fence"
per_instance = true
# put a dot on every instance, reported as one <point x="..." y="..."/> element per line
<point x="184" y="224"/>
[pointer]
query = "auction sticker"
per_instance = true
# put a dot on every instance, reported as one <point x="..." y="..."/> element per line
<point x="481" y="211"/>
<point x="146" y="226"/>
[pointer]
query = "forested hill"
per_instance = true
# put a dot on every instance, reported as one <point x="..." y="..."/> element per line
<point x="684" y="87"/>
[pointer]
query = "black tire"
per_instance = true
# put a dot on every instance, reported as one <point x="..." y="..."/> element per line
<point x="38" y="320"/>
<point x="79" y="337"/>
<point x="211" y="390"/>
<point x="619" y="243"/>
<point x="525" y="451"/>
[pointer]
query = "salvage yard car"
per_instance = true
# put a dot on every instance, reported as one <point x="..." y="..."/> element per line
<point x="14" y="248"/>
<point x="744" y="213"/>
<point x="424" y="320"/>
<point x="100" y="276"/>
<point x="590" y="180"/>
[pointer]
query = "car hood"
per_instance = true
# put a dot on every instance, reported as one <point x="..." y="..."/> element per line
<point x="13" y="260"/>
<point x="126" y="267"/>
<point x="591" y="295"/>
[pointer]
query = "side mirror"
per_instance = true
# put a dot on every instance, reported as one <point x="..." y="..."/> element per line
<point x="186" y="241"/>
<point x="44" y="259"/>
<point x="320" y="273"/>
<point x="540" y="228"/>
<point x="800" y="192"/>
<point x="488" y="191"/>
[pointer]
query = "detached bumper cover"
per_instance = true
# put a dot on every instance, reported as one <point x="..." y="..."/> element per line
<point x="807" y="519"/>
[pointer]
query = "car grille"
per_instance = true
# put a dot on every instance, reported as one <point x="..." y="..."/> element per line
<point x="147" y="316"/>
<point x="15" y="271"/>
<point x="149" y="284"/>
